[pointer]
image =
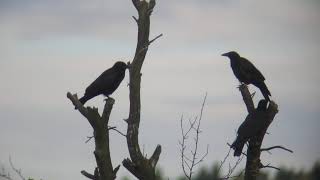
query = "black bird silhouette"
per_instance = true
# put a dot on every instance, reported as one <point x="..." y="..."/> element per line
<point x="106" y="83"/>
<point x="251" y="126"/>
<point x="247" y="73"/>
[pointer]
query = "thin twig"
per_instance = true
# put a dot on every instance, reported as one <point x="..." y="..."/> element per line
<point x="155" y="38"/>
<point x="189" y="163"/>
<point x="149" y="42"/>
<point x="88" y="175"/>
<point x="231" y="177"/>
<point x="5" y="175"/>
<point x="276" y="147"/>
<point x="183" y="147"/>
<point x="89" y="138"/>
<point x="135" y="19"/>
<point x="231" y="169"/>
<point x="242" y="151"/>
<point x="203" y="157"/>
<point x="224" y="160"/>
<point x="269" y="166"/>
<point x="18" y="171"/>
<point x="193" y="163"/>
<point x="115" y="129"/>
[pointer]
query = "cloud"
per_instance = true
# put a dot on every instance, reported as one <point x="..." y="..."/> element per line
<point x="50" y="47"/>
<point x="38" y="19"/>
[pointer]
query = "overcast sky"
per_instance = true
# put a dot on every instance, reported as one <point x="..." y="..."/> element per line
<point x="48" y="48"/>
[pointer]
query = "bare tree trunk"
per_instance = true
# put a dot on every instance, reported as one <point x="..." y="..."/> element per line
<point x="104" y="171"/>
<point x="138" y="165"/>
<point x="254" y="164"/>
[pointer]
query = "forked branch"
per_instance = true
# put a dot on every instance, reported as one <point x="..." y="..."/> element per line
<point x="253" y="163"/>
<point x="99" y="124"/>
<point x="141" y="167"/>
<point x="190" y="160"/>
<point x="276" y="147"/>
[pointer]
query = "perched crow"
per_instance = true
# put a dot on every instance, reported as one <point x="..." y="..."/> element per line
<point x="251" y="126"/>
<point x="106" y="83"/>
<point x="247" y="73"/>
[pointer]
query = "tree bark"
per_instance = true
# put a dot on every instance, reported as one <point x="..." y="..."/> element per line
<point x="138" y="165"/>
<point x="99" y="124"/>
<point x="253" y="163"/>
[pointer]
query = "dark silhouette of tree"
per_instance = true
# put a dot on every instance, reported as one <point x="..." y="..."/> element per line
<point x="213" y="173"/>
<point x="141" y="167"/>
<point x="254" y="164"/>
<point x="315" y="171"/>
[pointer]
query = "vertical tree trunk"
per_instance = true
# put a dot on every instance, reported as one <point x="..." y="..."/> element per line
<point x="138" y="165"/>
<point x="253" y="163"/>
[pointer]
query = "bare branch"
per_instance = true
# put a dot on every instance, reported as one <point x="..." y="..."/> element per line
<point x="276" y="147"/>
<point x="107" y="111"/>
<point x="88" y="175"/>
<point x="231" y="169"/>
<point x="136" y="4"/>
<point x="155" y="156"/>
<point x="204" y="156"/>
<point x="246" y="97"/>
<point x="138" y="165"/>
<point x="255" y="142"/>
<point x="114" y="128"/>
<point x="155" y="38"/>
<point x="231" y="177"/>
<point x="17" y="171"/>
<point x="135" y="19"/>
<point x="268" y="166"/>
<point x="75" y="101"/>
<point x="89" y="138"/>
<point x="101" y="137"/>
<point x="183" y="147"/>
<point x="189" y="163"/>
<point x="152" y="3"/>
<point x="5" y="174"/>
<point x="116" y="169"/>
<point x="149" y="42"/>
<point x="224" y="160"/>
<point x="241" y="152"/>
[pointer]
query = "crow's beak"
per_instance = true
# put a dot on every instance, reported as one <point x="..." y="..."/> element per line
<point x="225" y="54"/>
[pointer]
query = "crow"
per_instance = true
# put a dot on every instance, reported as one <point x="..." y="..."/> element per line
<point x="247" y="73"/>
<point x="251" y="126"/>
<point x="106" y="83"/>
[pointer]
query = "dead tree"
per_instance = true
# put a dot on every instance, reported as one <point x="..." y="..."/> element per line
<point x="141" y="167"/>
<point x="104" y="170"/>
<point x="253" y="164"/>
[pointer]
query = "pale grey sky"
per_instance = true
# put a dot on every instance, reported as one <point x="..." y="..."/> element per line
<point x="50" y="47"/>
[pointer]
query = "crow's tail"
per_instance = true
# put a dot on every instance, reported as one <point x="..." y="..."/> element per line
<point x="264" y="90"/>
<point x="237" y="145"/>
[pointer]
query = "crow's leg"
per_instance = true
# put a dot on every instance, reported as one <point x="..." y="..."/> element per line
<point x="107" y="97"/>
